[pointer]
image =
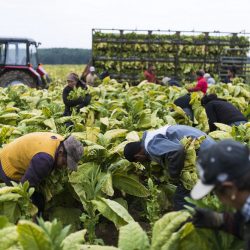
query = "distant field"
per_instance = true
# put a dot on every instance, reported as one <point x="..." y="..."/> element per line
<point x="61" y="71"/>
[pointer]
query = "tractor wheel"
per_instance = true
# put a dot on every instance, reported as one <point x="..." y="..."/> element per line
<point x="14" y="77"/>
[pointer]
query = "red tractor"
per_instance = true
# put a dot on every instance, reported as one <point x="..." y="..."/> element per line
<point x="19" y="63"/>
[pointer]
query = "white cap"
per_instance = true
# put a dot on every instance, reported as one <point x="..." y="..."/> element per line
<point x="92" y="69"/>
<point x="165" y="80"/>
<point x="200" y="190"/>
<point x="207" y="75"/>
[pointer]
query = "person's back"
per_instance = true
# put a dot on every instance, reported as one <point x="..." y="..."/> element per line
<point x="175" y="133"/>
<point x="184" y="103"/>
<point x="178" y="132"/>
<point x="222" y="111"/>
<point x="226" y="112"/>
<point x="15" y="157"/>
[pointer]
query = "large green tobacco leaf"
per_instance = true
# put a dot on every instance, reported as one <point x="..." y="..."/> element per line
<point x="15" y="202"/>
<point x="132" y="136"/>
<point x="5" y="133"/>
<point x="9" y="197"/>
<point x="223" y="127"/>
<point x="9" y="118"/>
<point x="11" y="210"/>
<point x="32" y="236"/>
<point x="200" y="117"/>
<point x="145" y="119"/>
<point x="118" y="149"/>
<point x="132" y="237"/>
<point x="73" y="241"/>
<point x="188" y="238"/>
<point x="155" y="121"/>
<point x="120" y="166"/>
<point x="51" y="124"/>
<point x="206" y="239"/>
<point x="138" y="106"/>
<point x="129" y="185"/>
<point x="55" y="232"/>
<point x="166" y="226"/>
<point x="82" y="172"/>
<point x="8" y="237"/>
<point x="107" y="186"/>
<point x="176" y="238"/>
<point x="115" y="133"/>
<point x="220" y="135"/>
<point x="94" y="152"/>
<point x="113" y="211"/>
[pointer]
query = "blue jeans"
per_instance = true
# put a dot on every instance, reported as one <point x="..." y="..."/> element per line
<point x="189" y="113"/>
<point x="237" y="123"/>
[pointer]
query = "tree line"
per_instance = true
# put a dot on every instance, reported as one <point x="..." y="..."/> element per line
<point x="64" y="56"/>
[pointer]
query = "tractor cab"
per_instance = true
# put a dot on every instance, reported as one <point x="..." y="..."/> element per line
<point x="19" y="63"/>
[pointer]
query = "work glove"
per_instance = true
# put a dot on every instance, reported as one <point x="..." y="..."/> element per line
<point x="206" y="218"/>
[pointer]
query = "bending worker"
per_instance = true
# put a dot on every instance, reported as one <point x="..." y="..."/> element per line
<point x="164" y="147"/>
<point x="34" y="156"/>
<point x="219" y="110"/>
<point x="184" y="103"/>
<point x="225" y="169"/>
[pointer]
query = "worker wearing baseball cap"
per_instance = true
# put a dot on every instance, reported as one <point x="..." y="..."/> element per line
<point x="91" y="76"/>
<point x="210" y="80"/>
<point x="225" y="169"/>
<point x="34" y="156"/>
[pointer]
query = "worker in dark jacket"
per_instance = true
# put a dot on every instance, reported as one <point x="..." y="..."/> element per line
<point x="201" y="84"/>
<point x="164" y="147"/>
<point x="34" y="156"/>
<point x="74" y="82"/>
<point x="219" y="110"/>
<point x="225" y="169"/>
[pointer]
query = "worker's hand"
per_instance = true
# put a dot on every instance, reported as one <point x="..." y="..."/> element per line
<point x="207" y="218"/>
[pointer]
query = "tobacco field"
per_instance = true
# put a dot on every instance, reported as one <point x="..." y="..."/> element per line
<point x="110" y="203"/>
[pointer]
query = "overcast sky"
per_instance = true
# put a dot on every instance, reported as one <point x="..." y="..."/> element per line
<point x="68" y="23"/>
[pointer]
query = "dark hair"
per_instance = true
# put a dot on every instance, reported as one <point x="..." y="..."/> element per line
<point x="199" y="73"/>
<point x="207" y="98"/>
<point x="131" y="149"/>
<point x="150" y="65"/>
<point x="233" y="70"/>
